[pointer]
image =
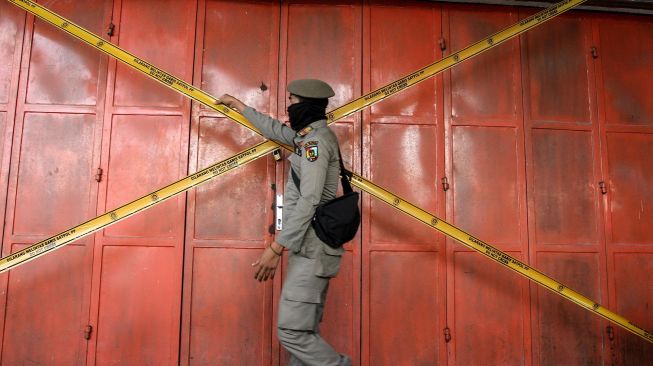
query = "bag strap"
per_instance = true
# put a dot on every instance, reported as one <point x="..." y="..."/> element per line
<point x="345" y="176"/>
<point x="295" y="179"/>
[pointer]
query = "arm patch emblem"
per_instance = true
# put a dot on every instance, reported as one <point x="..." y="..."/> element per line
<point x="311" y="151"/>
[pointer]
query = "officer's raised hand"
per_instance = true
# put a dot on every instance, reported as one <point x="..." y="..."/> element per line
<point x="231" y="102"/>
<point x="266" y="265"/>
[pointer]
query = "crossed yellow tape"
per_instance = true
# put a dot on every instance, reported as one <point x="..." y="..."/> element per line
<point x="267" y="146"/>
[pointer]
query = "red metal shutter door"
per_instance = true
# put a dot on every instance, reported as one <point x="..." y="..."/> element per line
<point x="403" y="292"/>
<point x="563" y="160"/>
<point x="486" y="303"/>
<point x="227" y="315"/>
<point x="138" y="262"/>
<point x="626" y="111"/>
<point x="52" y="187"/>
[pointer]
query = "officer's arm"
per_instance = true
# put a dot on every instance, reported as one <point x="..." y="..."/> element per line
<point x="313" y="177"/>
<point x="270" y="127"/>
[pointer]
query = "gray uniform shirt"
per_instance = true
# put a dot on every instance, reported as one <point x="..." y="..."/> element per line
<point x="315" y="162"/>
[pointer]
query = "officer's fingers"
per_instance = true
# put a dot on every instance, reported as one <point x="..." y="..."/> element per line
<point x="225" y="99"/>
<point x="258" y="272"/>
<point x="269" y="273"/>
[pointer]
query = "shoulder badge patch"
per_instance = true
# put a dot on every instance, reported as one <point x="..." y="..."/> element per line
<point x="311" y="150"/>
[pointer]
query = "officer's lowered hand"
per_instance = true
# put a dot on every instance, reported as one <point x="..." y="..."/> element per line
<point x="266" y="266"/>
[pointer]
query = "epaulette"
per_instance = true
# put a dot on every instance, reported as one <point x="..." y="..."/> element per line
<point x="304" y="131"/>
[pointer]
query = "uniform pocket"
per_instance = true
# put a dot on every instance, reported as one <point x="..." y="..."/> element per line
<point x="303" y="294"/>
<point x="298" y="308"/>
<point x="328" y="260"/>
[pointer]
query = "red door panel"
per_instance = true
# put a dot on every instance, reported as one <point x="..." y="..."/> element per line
<point x="489" y="323"/>
<point x="315" y="30"/>
<point x="627" y="80"/>
<point x="631" y="178"/>
<point x="59" y="61"/>
<point x="402" y="160"/>
<point x="56" y="173"/>
<point x="11" y="23"/>
<point x="403" y="311"/>
<point x="144" y="156"/>
<point x="230" y="207"/>
<point x="164" y="38"/>
<point x="228" y="309"/>
<point x="241" y="51"/>
<point x="558" y="63"/>
<point x="404" y="39"/>
<point x="634" y="294"/>
<point x="564" y="199"/>
<point x="348" y="145"/>
<point x="139" y="318"/>
<point x="484" y="89"/>
<point x="46" y="310"/>
<point x="569" y="334"/>
<point x="486" y="183"/>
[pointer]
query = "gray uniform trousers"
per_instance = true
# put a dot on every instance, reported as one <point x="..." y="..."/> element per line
<point x="302" y="304"/>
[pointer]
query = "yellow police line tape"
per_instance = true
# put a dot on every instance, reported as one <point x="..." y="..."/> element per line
<point x="265" y="147"/>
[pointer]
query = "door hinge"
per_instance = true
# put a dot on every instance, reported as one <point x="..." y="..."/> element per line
<point x="447" y="335"/>
<point x="595" y="52"/>
<point x="443" y="44"/>
<point x="87" y="332"/>
<point x="445" y="184"/>
<point x="110" y="29"/>
<point x="604" y="190"/>
<point x="98" y="175"/>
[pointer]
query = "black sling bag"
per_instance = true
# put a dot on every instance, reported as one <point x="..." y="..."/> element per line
<point x="336" y="222"/>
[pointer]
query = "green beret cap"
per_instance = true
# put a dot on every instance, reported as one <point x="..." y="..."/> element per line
<point x="310" y="88"/>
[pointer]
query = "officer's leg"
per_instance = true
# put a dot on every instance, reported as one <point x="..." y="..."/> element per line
<point x="309" y="348"/>
<point x="294" y="361"/>
<point x="299" y="313"/>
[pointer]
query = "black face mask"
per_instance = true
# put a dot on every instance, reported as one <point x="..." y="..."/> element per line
<point x="306" y="112"/>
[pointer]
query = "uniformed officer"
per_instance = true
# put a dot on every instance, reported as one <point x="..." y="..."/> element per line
<point x="311" y="263"/>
